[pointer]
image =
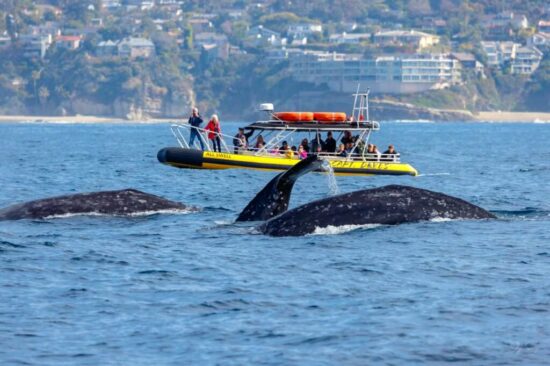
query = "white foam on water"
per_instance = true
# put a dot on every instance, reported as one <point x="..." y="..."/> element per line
<point x="440" y="219"/>
<point x="336" y="230"/>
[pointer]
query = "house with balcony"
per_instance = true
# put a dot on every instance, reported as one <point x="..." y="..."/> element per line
<point x="526" y="60"/>
<point x="520" y="59"/>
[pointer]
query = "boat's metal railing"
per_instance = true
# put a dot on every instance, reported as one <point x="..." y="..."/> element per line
<point x="179" y="129"/>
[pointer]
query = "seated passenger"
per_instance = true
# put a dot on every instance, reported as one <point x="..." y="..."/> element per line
<point x="289" y="153"/>
<point x="342" y="150"/>
<point x="391" y="151"/>
<point x="259" y="140"/>
<point x="284" y="148"/>
<point x="330" y="143"/>
<point x="347" y="138"/>
<point x="239" y="141"/>
<point x="305" y="144"/>
<point x="389" y="155"/>
<point x="302" y="154"/>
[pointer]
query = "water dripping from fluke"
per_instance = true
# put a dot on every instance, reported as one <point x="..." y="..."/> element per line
<point x="331" y="178"/>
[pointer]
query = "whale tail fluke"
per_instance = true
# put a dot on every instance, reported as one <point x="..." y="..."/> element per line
<point x="273" y="199"/>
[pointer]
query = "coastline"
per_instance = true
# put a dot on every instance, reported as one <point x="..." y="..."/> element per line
<point x="482" y="117"/>
<point x="79" y="119"/>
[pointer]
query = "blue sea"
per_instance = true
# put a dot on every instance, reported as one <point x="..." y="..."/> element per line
<point x="198" y="289"/>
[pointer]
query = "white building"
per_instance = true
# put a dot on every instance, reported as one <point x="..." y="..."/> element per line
<point x="521" y="59"/>
<point x="527" y="60"/>
<point x="386" y="74"/>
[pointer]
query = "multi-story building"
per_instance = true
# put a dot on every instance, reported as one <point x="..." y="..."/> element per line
<point x="499" y="53"/>
<point x="384" y="74"/>
<point x="520" y="59"/>
<point x="527" y="60"/>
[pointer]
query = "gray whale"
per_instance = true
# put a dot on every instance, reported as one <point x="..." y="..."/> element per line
<point x="117" y="203"/>
<point x="389" y="205"/>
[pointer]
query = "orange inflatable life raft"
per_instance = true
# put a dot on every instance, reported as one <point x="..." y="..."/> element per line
<point x="294" y="116"/>
<point x="329" y="117"/>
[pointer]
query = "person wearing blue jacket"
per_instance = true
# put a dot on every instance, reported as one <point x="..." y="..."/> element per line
<point x="195" y="121"/>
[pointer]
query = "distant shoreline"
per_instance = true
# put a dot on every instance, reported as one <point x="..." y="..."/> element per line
<point x="80" y="119"/>
<point x="496" y="117"/>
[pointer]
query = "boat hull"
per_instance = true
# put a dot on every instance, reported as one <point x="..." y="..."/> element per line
<point x="196" y="159"/>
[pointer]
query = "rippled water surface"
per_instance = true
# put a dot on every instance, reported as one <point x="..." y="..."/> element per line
<point x="198" y="289"/>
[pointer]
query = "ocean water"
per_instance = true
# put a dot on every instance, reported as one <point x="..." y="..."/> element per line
<point x="196" y="288"/>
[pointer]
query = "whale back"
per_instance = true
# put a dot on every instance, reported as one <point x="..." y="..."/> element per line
<point x="389" y="205"/>
<point x="273" y="199"/>
<point x="120" y="202"/>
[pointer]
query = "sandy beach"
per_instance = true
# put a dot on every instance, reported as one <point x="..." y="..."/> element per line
<point x="512" y="117"/>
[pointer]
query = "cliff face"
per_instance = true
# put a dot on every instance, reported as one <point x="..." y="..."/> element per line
<point x="175" y="104"/>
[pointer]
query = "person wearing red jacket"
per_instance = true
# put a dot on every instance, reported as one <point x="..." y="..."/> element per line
<point x="214" y="131"/>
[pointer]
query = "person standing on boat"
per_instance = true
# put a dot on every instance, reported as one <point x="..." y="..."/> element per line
<point x="330" y="143"/>
<point x="195" y="121"/>
<point x="214" y="130"/>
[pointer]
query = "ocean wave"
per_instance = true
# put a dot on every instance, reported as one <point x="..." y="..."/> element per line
<point x="411" y="121"/>
<point x="527" y="213"/>
<point x="433" y="174"/>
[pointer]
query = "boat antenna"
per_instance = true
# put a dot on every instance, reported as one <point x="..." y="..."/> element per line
<point x="355" y="101"/>
<point x="367" y="106"/>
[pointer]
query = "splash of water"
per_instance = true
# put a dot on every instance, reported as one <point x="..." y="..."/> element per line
<point x="331" y="178"/>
